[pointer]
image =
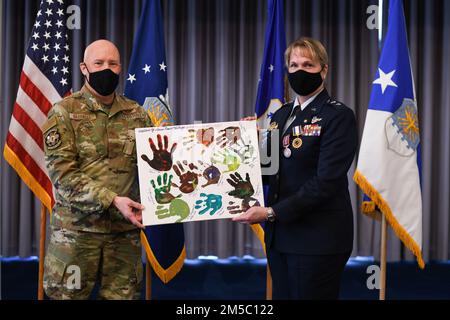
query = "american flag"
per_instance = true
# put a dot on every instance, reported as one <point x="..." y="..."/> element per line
<point x="45" y="79"/>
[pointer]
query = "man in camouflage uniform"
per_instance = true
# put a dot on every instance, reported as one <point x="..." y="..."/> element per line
<point x="91" y="159"/>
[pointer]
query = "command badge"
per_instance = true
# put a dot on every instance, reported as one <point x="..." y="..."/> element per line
<point x="53" y="139"/>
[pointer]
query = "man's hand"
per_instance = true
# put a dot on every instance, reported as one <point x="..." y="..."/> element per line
<point x="252" y="215"/>
<point x="130" y="209"/>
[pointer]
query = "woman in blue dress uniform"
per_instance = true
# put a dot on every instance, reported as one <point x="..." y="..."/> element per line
<point x="309" y="219"/>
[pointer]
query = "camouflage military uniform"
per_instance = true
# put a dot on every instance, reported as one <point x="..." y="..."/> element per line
<point x="91" y="158"/>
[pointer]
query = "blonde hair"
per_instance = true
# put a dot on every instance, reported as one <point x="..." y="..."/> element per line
<point x="309" y="47"/>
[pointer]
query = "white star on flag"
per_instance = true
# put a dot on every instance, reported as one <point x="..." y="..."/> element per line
<point x="131" y="77"/>
<point x="162" y="66"/>
<point x="271" y="68"/>
<point x="385" y="80"/>
<point x="34" y="46"/>
<point x="146" y="68"/>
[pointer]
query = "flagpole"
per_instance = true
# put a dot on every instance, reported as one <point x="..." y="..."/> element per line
<point x="268" y="284"/>
<point x="383" y="258"/>
<point x="148" y="280"/>
<point x="42" y="252"/>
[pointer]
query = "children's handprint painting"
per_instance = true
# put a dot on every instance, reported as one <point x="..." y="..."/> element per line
<point x="198" y="172"/>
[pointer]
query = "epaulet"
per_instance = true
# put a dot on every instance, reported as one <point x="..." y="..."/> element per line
<point x="74" y="95"/>
<point x="334" y="103"/>
<point x="283" y="106"/>
<point x="290" y="103"/>
<point x="129" y="101"/>
<point x="68" y="99"/>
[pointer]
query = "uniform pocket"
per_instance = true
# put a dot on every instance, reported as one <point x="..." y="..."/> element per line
<point x="129" y="148"/>
<point x="55" y="269"/>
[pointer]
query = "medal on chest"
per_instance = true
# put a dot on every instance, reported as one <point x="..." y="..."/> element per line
<point x="286" y="142"/>
<point x="297" y="132"/>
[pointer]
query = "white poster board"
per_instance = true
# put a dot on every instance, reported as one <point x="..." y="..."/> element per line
<point x="198" y="172"/>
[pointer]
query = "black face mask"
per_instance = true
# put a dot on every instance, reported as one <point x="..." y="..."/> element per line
<point x="104" y="82"/>
<point x="304" y="83"/>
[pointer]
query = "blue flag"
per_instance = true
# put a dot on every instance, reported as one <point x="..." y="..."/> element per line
<point x="147" y="84"/>
<point x="389" y="167"/>
<point x="270" y="96"/>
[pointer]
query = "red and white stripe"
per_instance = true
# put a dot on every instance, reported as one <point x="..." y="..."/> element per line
<point x="35" y="97"/>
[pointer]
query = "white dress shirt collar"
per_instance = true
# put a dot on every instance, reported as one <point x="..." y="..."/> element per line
<point x="307" y="102"/>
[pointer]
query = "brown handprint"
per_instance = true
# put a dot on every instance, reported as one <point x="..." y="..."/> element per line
<point x="229" y="136"/>
<point x="246" y="204"/>
<point x="188" y="179"/>
<point x="162" y="159"/>
<point x="243" y="189"/>
<point x="204" y="137"/>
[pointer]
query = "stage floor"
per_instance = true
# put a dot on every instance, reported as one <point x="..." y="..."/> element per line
<point x="245" y="278"/>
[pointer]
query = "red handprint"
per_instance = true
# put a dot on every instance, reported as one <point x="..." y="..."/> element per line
<point x="162" y="159"/>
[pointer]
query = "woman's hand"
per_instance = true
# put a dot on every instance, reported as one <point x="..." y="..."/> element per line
<point x="252" y="215"/>
<point x="251" y="118"/>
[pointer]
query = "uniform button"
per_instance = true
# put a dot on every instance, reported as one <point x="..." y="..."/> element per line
<point x="275" y="195"/>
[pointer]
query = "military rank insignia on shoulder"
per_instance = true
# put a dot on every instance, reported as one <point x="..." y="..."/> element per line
<point x="334" y="102"/>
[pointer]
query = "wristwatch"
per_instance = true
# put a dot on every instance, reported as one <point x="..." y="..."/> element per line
<point x="270" y="215"/>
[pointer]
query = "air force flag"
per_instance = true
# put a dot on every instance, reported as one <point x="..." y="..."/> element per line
<point x="146" y="83"/>
<point x="270" y="96"/>
<point x="146" y="80"/>
<point x="388" y="169"/>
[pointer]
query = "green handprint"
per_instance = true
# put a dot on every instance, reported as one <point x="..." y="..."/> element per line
<point x="212" y="203"/>
<point x="176" y="208"/>
<point x="227" y="158"/>
<point x="162" y="191"/>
